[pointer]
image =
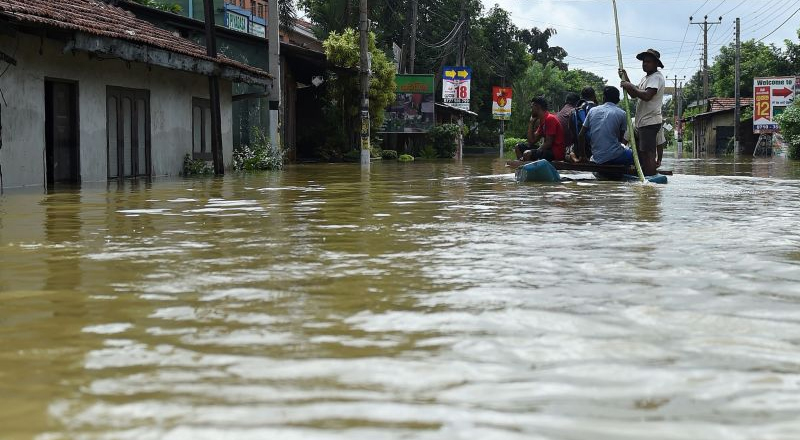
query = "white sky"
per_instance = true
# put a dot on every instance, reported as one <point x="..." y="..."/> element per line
<point x="586" y="29"/>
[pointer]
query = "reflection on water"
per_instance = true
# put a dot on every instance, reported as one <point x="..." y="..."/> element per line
<point x="433" y="300"/>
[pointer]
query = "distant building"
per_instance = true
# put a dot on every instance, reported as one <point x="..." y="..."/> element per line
<point x="712" y="129"/>
<point x="97" y="94"/>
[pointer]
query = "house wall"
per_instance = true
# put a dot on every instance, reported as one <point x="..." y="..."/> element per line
<point x="23" y="119"/>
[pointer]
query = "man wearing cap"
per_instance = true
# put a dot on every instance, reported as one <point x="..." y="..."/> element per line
<point x="650" y="93"/>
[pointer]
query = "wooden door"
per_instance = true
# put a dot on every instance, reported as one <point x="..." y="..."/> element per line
<point x="61" y="132"/>
<point x="128" y="130"/>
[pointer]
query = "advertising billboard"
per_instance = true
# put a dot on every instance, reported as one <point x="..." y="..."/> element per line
<point x="412" y="110"/>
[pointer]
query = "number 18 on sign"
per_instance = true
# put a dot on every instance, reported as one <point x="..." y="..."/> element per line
<point x="456" y="86"/>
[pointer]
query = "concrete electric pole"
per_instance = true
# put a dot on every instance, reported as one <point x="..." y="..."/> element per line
<point x="274" y="70"/>
<point x="364" y="79"/>
<point x="213" y="91"/>
<point x="705" y="23"/>
<point x="413" y="45"/>
<point x="676" y="98"/>
<point x="737" y="92"/>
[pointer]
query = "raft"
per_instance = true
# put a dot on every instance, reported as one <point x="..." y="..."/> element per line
<point x="528" y="172"/>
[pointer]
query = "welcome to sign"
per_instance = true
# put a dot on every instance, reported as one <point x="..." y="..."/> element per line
<point x="770" y="97"/>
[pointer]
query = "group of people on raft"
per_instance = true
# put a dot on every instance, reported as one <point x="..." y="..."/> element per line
<point x="584" y="130"/>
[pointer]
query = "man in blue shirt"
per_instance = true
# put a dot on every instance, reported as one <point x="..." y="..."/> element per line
<point x="605" y="125"/>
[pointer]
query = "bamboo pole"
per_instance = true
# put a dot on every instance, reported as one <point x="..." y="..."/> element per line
<point x="627" y="101"/>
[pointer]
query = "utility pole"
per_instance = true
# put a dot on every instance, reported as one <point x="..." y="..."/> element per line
<point x="274" y="70"/>
<point x="413" y="45"/>
<point x="461" y="61"/>
<point x="705" y="23"/>
<point x="364" y="79"/>
<point x="679" y="122"/>
<point x="675" y="105"/>
<point x="736" y="92"/>
<point x="213" y="92"/>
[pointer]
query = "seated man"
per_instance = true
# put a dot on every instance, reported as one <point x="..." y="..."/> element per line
<point x="588" y="100"/>
<point x="549" y="129"/>
<point x="606" y="125"/>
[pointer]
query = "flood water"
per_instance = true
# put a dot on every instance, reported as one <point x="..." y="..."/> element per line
<point x="432" y="300"/>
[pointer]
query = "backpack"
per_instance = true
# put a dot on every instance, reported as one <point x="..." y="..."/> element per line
<point x="579" y="115"/>
<point x="576" y="123"/>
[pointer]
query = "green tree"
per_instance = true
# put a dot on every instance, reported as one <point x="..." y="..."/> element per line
<point x="577" y="79"/>
<point x="538" y="44"/>
<point x="757" y="60"/>
<point x="538" y="80"/>
<point x="343" y="103"/>
<point x="793" y="54"/>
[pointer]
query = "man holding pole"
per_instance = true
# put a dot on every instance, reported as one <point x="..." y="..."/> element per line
<point x="650" y="93"/>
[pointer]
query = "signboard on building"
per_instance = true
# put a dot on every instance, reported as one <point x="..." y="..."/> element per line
<point x="412" y="110"/>
<point x="456" y="83"/>
<point x="237" y="22"/>
<point x="258" y="29"/>
<point x="770" y="97"/>
<point x="501" y="103"/>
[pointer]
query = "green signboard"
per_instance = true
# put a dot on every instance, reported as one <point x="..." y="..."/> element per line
<point x="235" y="21"/>
<point x="412" y="110"/>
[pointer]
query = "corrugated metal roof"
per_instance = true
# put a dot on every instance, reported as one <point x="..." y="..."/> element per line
<point x="99" y="18"/>
<point x="727" y="103"/>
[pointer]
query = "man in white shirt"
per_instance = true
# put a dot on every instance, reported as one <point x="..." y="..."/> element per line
<point x="650" y="93"/>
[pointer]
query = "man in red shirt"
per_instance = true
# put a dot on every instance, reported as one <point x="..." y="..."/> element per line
<point x="549" y="129"/>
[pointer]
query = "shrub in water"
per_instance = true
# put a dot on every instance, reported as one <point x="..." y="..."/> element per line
<point x="443" y="140"/>
<point x="389" y="154"/>
<point x="260" y="155"/>
<point x="789" y="122"/>
<point x="195" y="167"/>
<point x="406" y="158"/>
<point x="429" y="152"/>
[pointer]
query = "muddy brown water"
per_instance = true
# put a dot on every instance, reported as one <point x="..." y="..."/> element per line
<point x="433" y="300"/>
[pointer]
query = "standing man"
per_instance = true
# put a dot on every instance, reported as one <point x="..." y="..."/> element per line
<point x="549" y="129"/>
<point x="650" y="93"/>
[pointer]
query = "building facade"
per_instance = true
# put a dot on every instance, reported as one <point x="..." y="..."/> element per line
<point x="104" y="96"/>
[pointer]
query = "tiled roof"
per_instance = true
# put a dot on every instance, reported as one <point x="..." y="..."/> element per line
<point x="99" y="18"/>
<point x="727" y="103"/>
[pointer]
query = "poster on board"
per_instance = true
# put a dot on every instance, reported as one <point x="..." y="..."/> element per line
<point x="412" y="109"/>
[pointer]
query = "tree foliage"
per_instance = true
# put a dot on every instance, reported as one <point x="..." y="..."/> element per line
<point x="550" y="81"/>
<point x="537" y="42"/>
<point x="342" y="49"/>
<point x="757" y="60"/>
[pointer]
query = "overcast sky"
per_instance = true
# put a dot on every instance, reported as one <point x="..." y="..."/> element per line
<point x="586" y="29"/>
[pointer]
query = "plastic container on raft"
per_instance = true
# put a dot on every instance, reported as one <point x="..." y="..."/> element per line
<point x="539" y="171"/>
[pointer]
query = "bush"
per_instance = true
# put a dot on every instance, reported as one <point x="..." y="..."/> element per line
<point x="406" y="158"/>
<point x="389" y="154"/>
<point x="789" y="122"/>
<point x="443" y="140"/>
<point x="428" y="152"/>
<point x="261" y="155"/>
<point x="511" y="142"/>
<point x="352" y="156"/>
<point x="195" y="167"/>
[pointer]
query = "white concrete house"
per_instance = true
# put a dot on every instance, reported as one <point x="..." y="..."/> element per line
<point x="94" y="94"/>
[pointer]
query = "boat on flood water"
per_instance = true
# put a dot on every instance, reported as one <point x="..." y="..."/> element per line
<point x="544" y="171"/>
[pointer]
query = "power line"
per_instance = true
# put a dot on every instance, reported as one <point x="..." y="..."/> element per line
<point x="780" y="26"/>
<point x="734" y="8"/>
<point x="701" y="7"/>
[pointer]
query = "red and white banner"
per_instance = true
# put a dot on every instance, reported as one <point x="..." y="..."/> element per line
<point x="501" y="102"/>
